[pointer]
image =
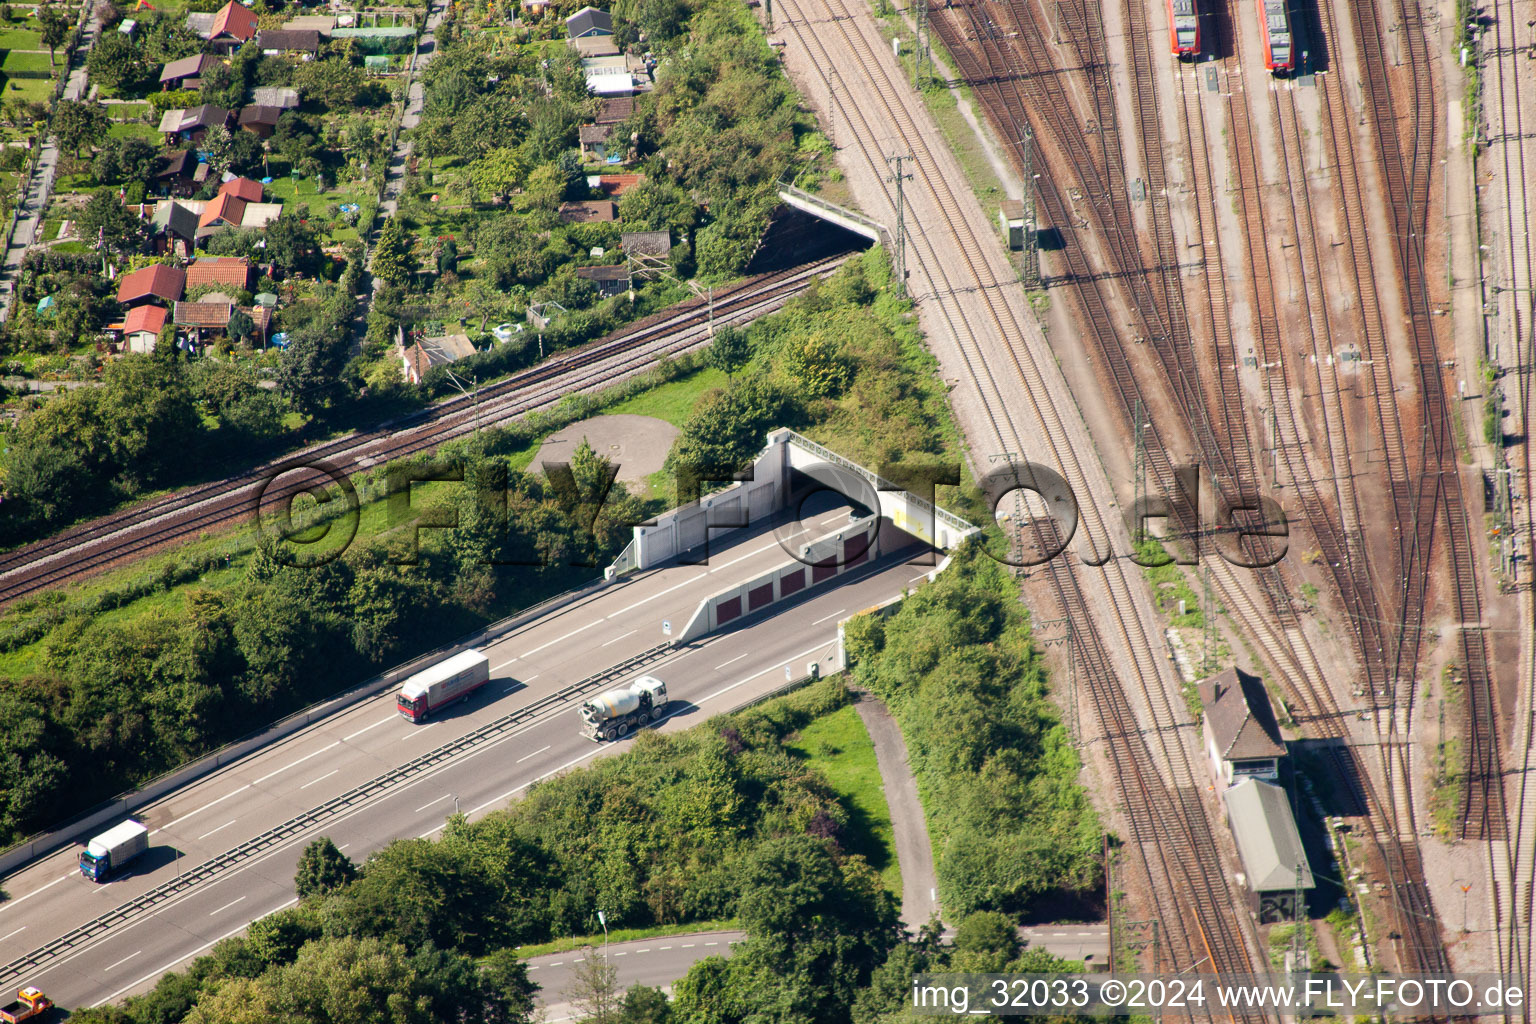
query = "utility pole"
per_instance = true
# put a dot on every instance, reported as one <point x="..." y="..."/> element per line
<point x="1074" y="722"/>
<point x="920" y="44"/>
<point x="768" y="10"/>
<point x="1030" y="255"/>
<point x="1299" y="936"/>
<point x="1208" y="618"/>
<point x="1140" y="471"/>
<point x="901" y="225"/>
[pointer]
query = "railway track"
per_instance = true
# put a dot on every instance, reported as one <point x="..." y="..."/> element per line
<point x="1515" y="271"/>
<point x="156" y="524"/>
<point x="1213" y="934"/>
<point x="1484" y="813"/>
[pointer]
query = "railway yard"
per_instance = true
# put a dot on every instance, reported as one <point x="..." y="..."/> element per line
<point x="1265" y="280"/>
<point x="1262" y="249"/>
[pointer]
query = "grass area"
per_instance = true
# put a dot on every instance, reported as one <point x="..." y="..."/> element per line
<point x="839" y="747"/>
<point x="21" y="60"/>
<point x="21" y="39"/>
<point x="573" y="942"/>
<point x="287" y="189"/>
<point x="672" y="402"/>
<point x="131" y="129"/>
<point x="36" y="90"/>
<point x="127" y="111"/>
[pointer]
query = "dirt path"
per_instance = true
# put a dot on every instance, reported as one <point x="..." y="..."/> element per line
<point x="919" y="881"/>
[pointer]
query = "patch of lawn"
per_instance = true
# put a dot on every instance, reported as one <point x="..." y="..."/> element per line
<point x="127" y="111"/>
<point x="839" y="747"/>
<point x="20" y="39"/>
<point x="130" y="129"/>
<point x="36" y="90"/>
<point x="672" y="402"/>
<point x="21" y="60"/>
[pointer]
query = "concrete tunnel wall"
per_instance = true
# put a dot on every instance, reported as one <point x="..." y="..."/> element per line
<point x="819" y="564"/>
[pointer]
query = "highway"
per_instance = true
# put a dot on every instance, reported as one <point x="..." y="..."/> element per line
<point x="658" y="962"/>
<point x="352" y="750"/>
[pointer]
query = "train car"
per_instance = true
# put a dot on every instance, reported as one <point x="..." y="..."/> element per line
<point x="1275" y="32"/>
<point x="1184" y="28"/>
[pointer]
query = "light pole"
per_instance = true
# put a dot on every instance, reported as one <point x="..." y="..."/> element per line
<point x="603" y="920"/>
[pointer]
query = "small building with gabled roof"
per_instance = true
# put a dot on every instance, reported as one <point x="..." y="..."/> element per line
<point x="242" y="188"/>
<point x="142" y="326"/>
<point x="1241" y="736"/>
<point x="1274" y="860"/>
<point x="174" y="228"/>
<point x="186" y="73"/>
<point x="276" y="41"/>
<point x="281" y="97"/>
<point x="223" y="271"/>
<point x="148" y="284"/>
<point x="233" y="26"/>
<point x="589" y="21"/>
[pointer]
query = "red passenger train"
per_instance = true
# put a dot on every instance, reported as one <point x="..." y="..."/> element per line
<point x="1184" y="27"/>
<point x="1275" y="33"/>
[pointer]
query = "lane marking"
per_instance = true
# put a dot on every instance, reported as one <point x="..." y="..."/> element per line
<point x="423" y="807"/>
<point x="187" y="956"/>
<point x="18" y="931"/>
<point x="221" y="828"/>
<point x="663" y="947"/>
<point x="919" y="576"/>
<point x="343" y="846"/>
<point x="731" y="662"/>
<point x="226" y="906"/>
<point x="711" y="943"/>
<point x="824" y="618"/>
<point x="203" y="808"/>
<point x="621" y="953"/>
<point x="322" y="778"/>
<point x="561" y="639"/>
<point x="300" y="761"/>
<point x="365" y="728"/>
<point x="618" y="638"/>
<point x="689" y="945"/>
<point x="34" y="892"/>
<point x="536" y="753"/>
<point x="124" y="960"/>
<point x="505" y="663"/>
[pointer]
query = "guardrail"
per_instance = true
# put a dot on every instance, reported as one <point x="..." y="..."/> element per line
<point x="124" y="803"/>
<point x="303" y="823"/>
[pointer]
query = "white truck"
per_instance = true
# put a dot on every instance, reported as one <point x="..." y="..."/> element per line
<point x="611" y="715"/>
<point x="109" y="852"/>
<point x="435" y="688"/>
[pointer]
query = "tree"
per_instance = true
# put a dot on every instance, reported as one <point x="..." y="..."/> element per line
<point x="546" y="188"/>
<point x="310" y="374"/>
<point x="241" y="327"/>
<point x="129" y="160"/>
<point x="148" y="412"/>
<point x="77" y="125"/>
<point x="730" y="351"/>
<point x="393" y="260"/>
<point x="448" y="259"/>
<point x="645" y="1005"/>
<point x="594" y="987"/>
<point x="54" y="28"/>
<point x="117" y="63"/>
<point x="296" y="136"/>
<point x="499" y="172"/>
<point x="334" y="83"/>
<point x="292" y="244"/>
<point x="322" y="868"/>
<point x="107" y="220"/>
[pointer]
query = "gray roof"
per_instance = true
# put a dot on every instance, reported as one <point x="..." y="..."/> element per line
<point x="1237" y="710"/>
<point x="588" y="21"/>
<point x="275" y="96"/>
<point x="187" y="67"/>
<point x="617" y="272"/>
<point x="201" y="22"/>
<point x="1266" y="836"/>
<point x="205" y="116"/>
<point x="174" y="219"/>
<point x="305" y="39"/>
<point x="646" y="243"/>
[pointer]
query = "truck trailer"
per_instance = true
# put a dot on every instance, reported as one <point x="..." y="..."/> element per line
<point x="611" y="715"/>
<point x="434" y="688"/>
<point x="111" y="851"/>
<point x="30" y="1002"/>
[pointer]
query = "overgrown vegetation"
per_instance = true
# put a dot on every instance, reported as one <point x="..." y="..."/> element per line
<point x="1009" y="823"/>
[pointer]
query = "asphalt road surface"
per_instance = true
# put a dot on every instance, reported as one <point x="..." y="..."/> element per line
<point x="356" y="747"/>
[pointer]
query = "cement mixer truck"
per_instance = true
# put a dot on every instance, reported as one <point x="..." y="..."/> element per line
<point x="611" y="715"/>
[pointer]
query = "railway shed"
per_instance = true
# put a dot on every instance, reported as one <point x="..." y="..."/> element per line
<point x="1238" y="728"/>
<point x="1274" y="861"/>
